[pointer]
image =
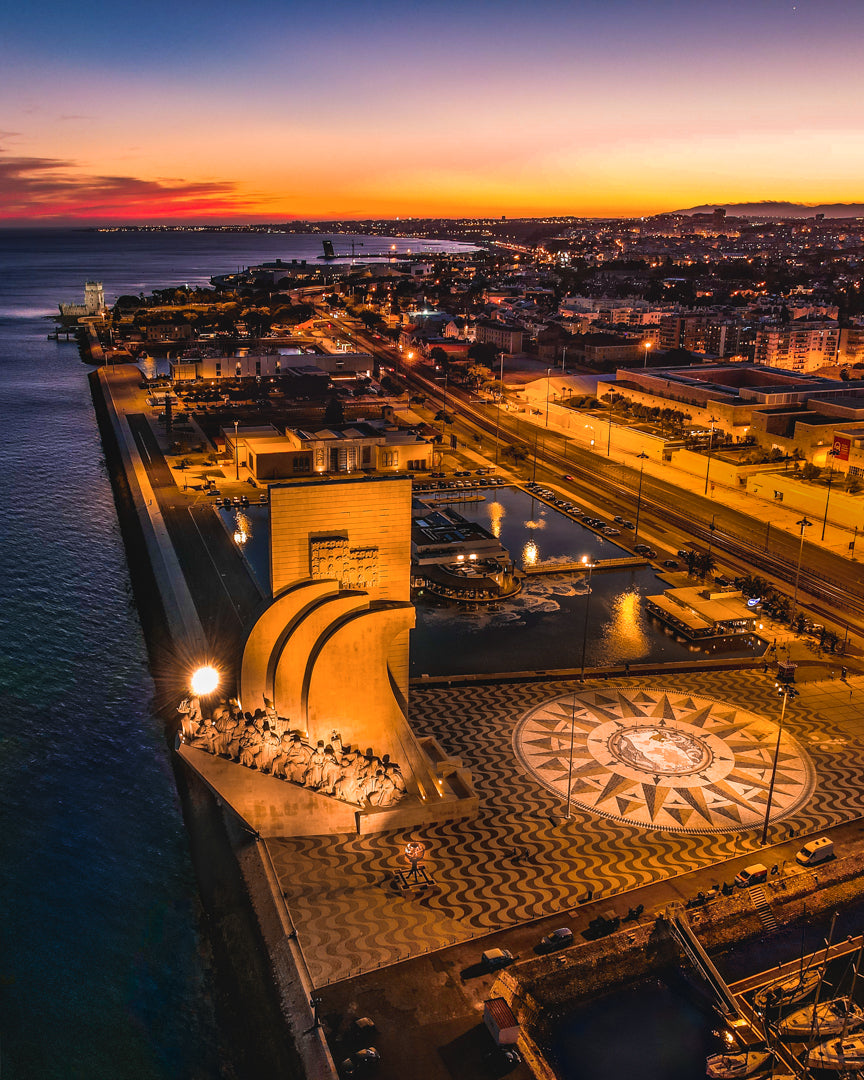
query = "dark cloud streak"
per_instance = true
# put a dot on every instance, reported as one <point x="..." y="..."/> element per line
<point x="43" y="189"/>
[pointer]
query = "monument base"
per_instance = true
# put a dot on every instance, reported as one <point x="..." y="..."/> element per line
<point x="278" y="808"/>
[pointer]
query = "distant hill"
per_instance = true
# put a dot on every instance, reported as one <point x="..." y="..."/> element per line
<point x="781" y="209"/>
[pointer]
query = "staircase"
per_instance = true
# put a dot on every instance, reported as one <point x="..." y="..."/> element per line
<point x="766" y="916"/>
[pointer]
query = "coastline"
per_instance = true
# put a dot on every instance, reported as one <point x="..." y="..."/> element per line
<point x="258" y="1007"/>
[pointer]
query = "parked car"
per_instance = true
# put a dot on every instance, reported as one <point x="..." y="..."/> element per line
<point x="625" y="524"/>
<point x="755" y="874"/>
<point x="363" y="1061"/>
<point x="670" y="564"/>
<point x="262" y="498"/>
<point x="682" y="554"/>
<point x="618" y="519"/>
<point x="611" y="531"/>
<point x="558" y="939"/>
<point x="494" y="959"/>
<point x="641" y="549"/>
<point x="816" y="851"/>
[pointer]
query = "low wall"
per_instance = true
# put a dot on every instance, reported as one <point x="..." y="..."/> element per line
<point x="541" y="991"/>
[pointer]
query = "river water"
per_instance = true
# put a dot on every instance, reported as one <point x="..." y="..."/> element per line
<point x="104" y="970"/>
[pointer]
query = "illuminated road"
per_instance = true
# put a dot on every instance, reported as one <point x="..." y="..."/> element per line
<point x="829" y="585"/>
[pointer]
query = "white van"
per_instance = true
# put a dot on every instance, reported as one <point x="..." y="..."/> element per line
<point x="816" y="851"/>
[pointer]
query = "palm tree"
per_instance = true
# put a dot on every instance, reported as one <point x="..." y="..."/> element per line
<point x="705" y="564"/>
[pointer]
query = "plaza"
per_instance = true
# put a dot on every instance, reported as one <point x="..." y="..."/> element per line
<point x="520" y="859"/>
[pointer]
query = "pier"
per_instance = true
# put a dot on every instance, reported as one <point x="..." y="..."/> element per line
<point x="569" y="566"/>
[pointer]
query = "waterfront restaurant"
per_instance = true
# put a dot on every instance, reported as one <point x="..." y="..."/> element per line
<point x="700" y="613"/>
<point x="458" y="559"/>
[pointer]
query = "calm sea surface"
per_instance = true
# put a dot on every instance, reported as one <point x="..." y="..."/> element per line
<point x="103" y="972"/>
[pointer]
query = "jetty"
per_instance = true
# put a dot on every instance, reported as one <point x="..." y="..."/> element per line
<point x="569" y="566"/>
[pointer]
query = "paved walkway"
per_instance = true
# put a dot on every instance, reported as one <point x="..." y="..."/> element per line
<point x="516" y="861"/>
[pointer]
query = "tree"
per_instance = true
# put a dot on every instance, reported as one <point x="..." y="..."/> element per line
<point x="439" y="357"/>
<point x="810" y="471"/>
<point x="334" y="413"/>
<point x="705" y="563"/>
<point x="483" y="352"/>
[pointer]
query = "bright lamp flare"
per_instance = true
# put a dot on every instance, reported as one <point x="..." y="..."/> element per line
<point x="204" y="681"/>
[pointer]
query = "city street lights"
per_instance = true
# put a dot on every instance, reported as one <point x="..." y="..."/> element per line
<point x="802" y="525"/>
<point x="236" y="453"/>
<point x="832" y="453"/>
<point x="646" y="345"/>
<point x="712" y="422"/>
<point x="786" y="690"/>
<point x="643" y="457"/>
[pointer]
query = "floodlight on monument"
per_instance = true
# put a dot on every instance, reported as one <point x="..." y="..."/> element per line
<point x="204" y="681"/>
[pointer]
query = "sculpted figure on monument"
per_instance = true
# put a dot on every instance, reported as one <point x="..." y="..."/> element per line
<point x="270" y="745"/>
<point x="188" y="726"/>
<point x="205" y="736"/>
<point x="224" y="727"/>
<point x="249" y="745"/>
<point x="297" y="760"/>
<point x="330" y="771"/>
<point x="394" y="772"/>
<point x="336" y="744"/>
<point x="348" y="785"/>
<point x="281" y="760"/>
<point x="275" y="721"/>
<point x="315" y="774"/>
<point x="384" y="792"/>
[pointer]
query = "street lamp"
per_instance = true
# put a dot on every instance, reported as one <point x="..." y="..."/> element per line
<point x="712" y="422"/>
<point x="785" y="690"/>
<point x="802" y="525"/>
<point x="589" y="565"/>
<point x="832" y="453"/>
<point x="646" y="345"/>
<point x="236" y="453"/>
<point x="643" y="458"/>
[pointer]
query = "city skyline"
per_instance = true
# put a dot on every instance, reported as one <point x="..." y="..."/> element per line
<point x="341" y="111"/>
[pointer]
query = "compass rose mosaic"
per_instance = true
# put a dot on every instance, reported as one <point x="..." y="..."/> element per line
<point x="663" y="760"/>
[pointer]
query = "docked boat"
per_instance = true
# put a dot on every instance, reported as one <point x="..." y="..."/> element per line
<point x="834" y="1017"/>
<point x="839" y="1055"/>
<point x="789" y="991"/>
<point x="743" y="1063"/>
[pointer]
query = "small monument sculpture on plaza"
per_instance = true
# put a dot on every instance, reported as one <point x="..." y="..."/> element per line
<point x="331" y="750"/>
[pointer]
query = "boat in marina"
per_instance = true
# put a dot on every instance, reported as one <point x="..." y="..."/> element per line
<point x="743" y="1063"/>
<point x="834" y="1017"/>
<point x="845" y="1054"/>
<point x="788" y="991"/>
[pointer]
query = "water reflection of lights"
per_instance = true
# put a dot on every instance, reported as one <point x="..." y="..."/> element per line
<point x="626" y="637"/>
<point x="242" y="529"/>
<point x="539" y="523"/>
<point x="530" y="553"/>
<point x="497" y="514"/>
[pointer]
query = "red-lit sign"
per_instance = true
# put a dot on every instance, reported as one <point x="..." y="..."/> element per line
<point x="841" y="447"/>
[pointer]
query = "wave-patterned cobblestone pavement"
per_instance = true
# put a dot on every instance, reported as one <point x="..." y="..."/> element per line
<point x="519" y="859"/>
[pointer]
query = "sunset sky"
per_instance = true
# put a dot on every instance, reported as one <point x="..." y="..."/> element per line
<point x="274" y="110"/>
